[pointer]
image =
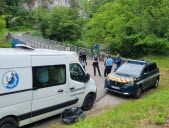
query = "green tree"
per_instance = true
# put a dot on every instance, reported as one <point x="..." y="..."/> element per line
<point x="41" y="19"/>
<point x="2" y="23"/>
<point x="64" y="24"/>
<point x="14" y="15"/>
<point x="133" y="27"/>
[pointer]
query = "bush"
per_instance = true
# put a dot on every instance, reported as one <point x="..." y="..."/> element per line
<point x="36" y="33"/>
<point x="2" y="45"/>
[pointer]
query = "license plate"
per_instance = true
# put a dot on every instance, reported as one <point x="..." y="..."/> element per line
<point x="118" y="88"/>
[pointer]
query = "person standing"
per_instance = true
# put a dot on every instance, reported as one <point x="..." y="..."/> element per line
<point x="80" y="54"/>
<point x="84" y="57"/>
<point x="82" y="63"/>
<point x="109" y="64"/>
<point x="118" y="61"/>
<point x="105" y="74"/>
<point x="96" y="65"/>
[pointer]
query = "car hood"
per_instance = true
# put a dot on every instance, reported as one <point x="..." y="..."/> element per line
<point x="121" y="78"/>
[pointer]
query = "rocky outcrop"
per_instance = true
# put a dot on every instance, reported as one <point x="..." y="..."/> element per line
<point x="50" y="4"/>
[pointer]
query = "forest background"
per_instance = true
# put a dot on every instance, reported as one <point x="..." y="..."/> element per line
<point x="133" y="28"/>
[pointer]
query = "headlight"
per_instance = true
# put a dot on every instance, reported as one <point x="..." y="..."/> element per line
<point x="108" y="80"/>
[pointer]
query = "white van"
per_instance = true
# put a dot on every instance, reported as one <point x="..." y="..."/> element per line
<point x="36" y="84"/>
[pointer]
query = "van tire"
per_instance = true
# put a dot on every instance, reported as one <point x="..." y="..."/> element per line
<point x="138" y="92"/>
<point x="88" y="102"/>
<point x="8" y="123"/>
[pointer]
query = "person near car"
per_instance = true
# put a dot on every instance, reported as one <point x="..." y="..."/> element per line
<point x="84" y="57"/>
<point x="80" y="54"/>
<point x="109" y="64"/>
<point x="82" y="63"/>
<point x="118" y="61"/>
<point x="96" y="64"/>
<point x="105" y="74"/>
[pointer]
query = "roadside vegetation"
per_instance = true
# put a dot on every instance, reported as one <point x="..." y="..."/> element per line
<point x="151" y="110"/>
<point x="3" y="32"/>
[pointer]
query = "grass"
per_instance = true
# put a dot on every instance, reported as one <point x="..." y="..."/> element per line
<point x="3" y="34"/>
<point x="3" y="43"/>
<point x="152" y="110"/>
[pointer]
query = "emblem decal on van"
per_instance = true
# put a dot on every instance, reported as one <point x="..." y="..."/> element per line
<point x="10" y="79"/>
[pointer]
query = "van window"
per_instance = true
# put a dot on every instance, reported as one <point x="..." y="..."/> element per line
<point x="76" y="72"/>
<point x="46" y="76"/>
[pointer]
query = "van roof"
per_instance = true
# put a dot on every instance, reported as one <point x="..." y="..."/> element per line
<point x="19" y="57"/>
<point x="33" y="52"/>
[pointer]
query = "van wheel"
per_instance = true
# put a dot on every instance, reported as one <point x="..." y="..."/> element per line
<point x="8" y="123"/>
<point x="88" y="102"/>
<point x="138" y="93"/>
<point x="156" y="83"/>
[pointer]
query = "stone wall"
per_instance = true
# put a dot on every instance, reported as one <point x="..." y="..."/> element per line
<point x="47" y="3"/>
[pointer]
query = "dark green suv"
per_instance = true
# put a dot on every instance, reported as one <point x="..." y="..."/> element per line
<point x="133" y="77"/>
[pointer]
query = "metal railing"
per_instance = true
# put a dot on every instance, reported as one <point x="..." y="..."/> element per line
<point x="42" y="43"/>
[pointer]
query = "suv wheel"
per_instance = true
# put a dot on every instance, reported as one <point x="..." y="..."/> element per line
<point x="138" y="93"/>
<point x="8" y="123"/>
<point x="156" y="83"/>
<point x="88" y="102"/>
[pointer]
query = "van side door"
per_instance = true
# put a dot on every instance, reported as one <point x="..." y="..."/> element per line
<point x="50" y="93"/>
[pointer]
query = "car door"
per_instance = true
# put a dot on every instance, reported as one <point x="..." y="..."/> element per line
<point x="50" y="93"/>
<point x="153" y="73"/>
<point x="146" y="77"/>
<point x="77" y="86"/>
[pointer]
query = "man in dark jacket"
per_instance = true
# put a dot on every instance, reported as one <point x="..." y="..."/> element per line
<point x="84" y="57"/>
<point x="96" y="65"/>
<point x="80" y="54"/>
<point x="118" y="61"/>
<point x="105" y="74"/>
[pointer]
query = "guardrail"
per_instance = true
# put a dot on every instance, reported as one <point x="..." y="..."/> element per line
<point x="42" y="43"/>
<point x="39" y="42"/>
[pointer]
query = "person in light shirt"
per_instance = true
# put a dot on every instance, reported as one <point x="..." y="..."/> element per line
<point x="109" y="64"/>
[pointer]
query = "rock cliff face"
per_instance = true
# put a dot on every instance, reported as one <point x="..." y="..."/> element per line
<point x="32" y="4"/>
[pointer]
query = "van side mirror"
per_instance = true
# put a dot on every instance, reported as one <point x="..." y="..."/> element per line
<point x="86" y="78"/>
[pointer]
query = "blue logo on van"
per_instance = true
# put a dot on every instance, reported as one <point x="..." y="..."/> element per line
<point x="10" y="79"/>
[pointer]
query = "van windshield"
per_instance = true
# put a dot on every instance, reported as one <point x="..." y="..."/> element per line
<point x="130" y="69"/>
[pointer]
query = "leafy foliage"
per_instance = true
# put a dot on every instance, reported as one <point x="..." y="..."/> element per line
<point x="134" y="27"/>
<point x="2" y="45"/>
<point x="2" y="22"/>
<point x="14" y="15"/>
<point x="61" y="24"/>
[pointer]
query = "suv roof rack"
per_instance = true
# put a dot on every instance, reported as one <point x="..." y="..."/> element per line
<point x="141" y="62"/>
<point x="24" y="46"/>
